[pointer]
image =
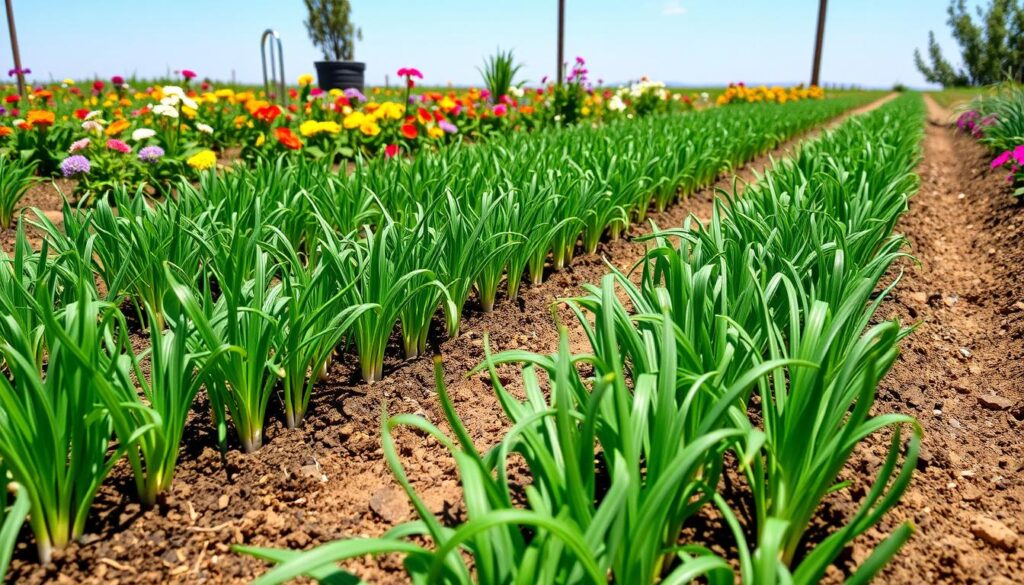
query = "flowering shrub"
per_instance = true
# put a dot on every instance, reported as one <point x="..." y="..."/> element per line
<point x="740" y="93"/>
<point x="974" y="123"/>
<point x="1014" y="159"/>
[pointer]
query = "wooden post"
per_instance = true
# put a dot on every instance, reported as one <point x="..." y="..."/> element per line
<point x="816" y="71"/>
<point x="14" y="49"/>
<point x="561" y="40"/>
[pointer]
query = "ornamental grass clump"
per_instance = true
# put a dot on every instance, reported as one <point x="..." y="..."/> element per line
<point x="16" y="177"/>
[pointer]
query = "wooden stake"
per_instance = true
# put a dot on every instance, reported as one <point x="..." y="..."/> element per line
<point x="816" y="71"/>
<point x="14" y="49"/>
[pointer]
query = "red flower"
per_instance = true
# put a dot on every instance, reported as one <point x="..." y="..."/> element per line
<point x="410" y="131"/>
<point x="391" y="150"/>
<point x="292" y="93"/>
<point x="423" y="116"/>
<point x="341" y="102"/>
<point x="288" y="139"/>
<point x="205" y="86"/>
<point x="117" y="80"/>
<point x="81" y="113"/>
<point x="12" y="99"/>
<point x="97" y="86"/>
<point x="267" y="114"/>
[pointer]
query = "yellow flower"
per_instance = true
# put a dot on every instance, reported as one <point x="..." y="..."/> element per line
<point x="69" y="81"/>
<point x="329" y="127"/>
<point x="309" y="127"/>
<point x="335" y="92"/>
<point x="370" y="128"/>
<point x="393" y="110"/>
<point x="435" y="132"/>
<point x="202" y="160"/>
<point x="260" y="139"/>
<point x="585" y="111"/>
<point x="240" y="121"/>
<point x="226" y="93"/>
<point x="353" y="120"/>
<point x="189" y="112"/>
<point x="305" y="79"/>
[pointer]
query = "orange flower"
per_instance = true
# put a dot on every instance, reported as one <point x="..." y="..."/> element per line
<point x="5" y="131"/>
<point x="287" y="138"/>
<point x="117" y="127"/>
<point x="40" y="118"/>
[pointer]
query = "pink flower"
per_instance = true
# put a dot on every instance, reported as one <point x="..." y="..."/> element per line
<point x="1001" y="159"/>
<point x="391" y="150"/>
<point x="410" y="72"/>
<point x="188" y="73"/>
<point x="500" y="110"/>
<point x="1018" y="154"/>
<point x="117" y="80"/>
<point x="78" y="145"/>
<point x="119" y="146"/>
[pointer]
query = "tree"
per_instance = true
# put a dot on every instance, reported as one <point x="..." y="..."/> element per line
<point x="331" y="29"/>
<point x="991" y="48"/>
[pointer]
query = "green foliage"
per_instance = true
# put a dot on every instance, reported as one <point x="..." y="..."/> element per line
<point x="16" y="176"/>
<point x="992" y="48"/>
<point x="751" y="335"/>
<point x="331" y="29"/>
<point x="499" y="73"/>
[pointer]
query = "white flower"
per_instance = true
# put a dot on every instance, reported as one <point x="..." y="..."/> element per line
<point x="163" y="109"/>
<point x="93" y="114"/>
<point x="18" y="122"/>
<point x="516" y="91"/>
<point x="142" y="134"/>
<point x="616" y="104"/>
<point x="173" y="93"/>
<point x="92" y="126"/>
<point x="205" y="128"/>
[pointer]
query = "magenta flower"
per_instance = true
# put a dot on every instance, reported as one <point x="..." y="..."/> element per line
<point x="117" y="80"/>
<point x="410" y="72"/>
<point x="1001" y="160"/>
<point x="500" y="110"/>
<point x="188" y="74"/>
<point x="118" y="145"/>
<point x="1018" y="154"/>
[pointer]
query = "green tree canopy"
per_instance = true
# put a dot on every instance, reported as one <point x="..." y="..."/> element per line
<point x="331" y="29"/>
<point x="991" y="45"/>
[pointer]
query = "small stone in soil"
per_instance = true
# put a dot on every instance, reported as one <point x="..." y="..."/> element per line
<point x="994" y="533"/>
<point x="994" y="402"/>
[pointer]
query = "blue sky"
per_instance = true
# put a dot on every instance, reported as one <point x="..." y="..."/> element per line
<point x="692" y="42"/>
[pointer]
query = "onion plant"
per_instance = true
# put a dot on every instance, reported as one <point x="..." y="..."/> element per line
<point x="55" y="434"/>
<point x="314" y="319"/>
<point x="16" y="176"/>
<point x="247" y="316"/>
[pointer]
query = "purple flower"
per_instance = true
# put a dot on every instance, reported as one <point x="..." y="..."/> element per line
<point x="447" y="126"/>
<point x="74" y="165"/>
<point x="354" y="94"/>
<point x="150" y="154"/>
<point x="3" y="111"/>
<point x="15" y="71"/>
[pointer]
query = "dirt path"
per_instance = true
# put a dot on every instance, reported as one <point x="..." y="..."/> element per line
<point x="328" y="480"/>
<point x="961" y="372"/>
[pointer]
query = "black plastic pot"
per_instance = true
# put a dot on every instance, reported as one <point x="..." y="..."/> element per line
<point x="340" y="74"/>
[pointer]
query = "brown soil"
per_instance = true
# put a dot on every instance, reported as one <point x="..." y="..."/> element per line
<point x="328" y="480"/>
<point x="960" y="371"/>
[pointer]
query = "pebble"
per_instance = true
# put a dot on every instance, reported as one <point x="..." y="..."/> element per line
<point x="994" y="533"/>
<point x="994" y="402"/>
<point x="223" y="501"/>
<point x="389" y="504"/>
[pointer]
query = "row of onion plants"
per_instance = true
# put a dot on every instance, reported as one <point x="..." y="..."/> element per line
<point x="734" y="380"/>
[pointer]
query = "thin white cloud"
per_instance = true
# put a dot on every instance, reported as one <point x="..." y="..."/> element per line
<point x="673" y="8"/>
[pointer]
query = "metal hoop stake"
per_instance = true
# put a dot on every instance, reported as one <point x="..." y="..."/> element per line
<point x="267" y="81"/>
